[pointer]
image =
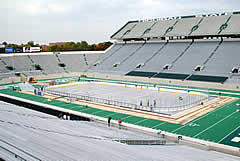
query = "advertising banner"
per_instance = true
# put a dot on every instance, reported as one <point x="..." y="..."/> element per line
<point x="35" y="49"/>
<point x="26" y="49"/>
<point x="8" y="50"/>
<point x="2" y="50"/>
<point x="18" y="49"/>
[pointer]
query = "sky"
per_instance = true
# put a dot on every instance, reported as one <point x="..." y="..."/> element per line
<point x="94" y="21"/>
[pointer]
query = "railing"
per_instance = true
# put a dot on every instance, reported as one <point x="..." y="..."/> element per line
<point x="29" y="155"/>
<point x="14" y="155"/>
<point x="143" y="142"/>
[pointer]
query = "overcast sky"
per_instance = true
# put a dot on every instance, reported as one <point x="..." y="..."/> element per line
<point x="94" y="21"/>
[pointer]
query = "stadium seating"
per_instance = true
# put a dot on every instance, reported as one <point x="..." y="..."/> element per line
<point x="74" y="62"/>
<point x="210" y="25"/>
<point x="205" y="60"/>
<point x="226" y="57"/>
<point x="202" y="25"/>
<point x="161" y="28"/>
<point x="114" y="58"/>
<point x="184" y="26"/>
<point x="3" y="65"/>
<point x="19" y="63"/>
<point x="125" y="30"/>
<point x="140" y="58"/>
<point x="45" y="63"/>
<point x="138" y="30"/>
<point x="166" y="56"/>
<point x="196" y="55"/>
<point x="233" y="25"/>
<point x="48" y="63"/>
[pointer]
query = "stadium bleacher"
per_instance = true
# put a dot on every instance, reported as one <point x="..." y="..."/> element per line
<point x="48" y="62"/>
<point x="24" y="65"/>
<point x="233" y="25"/>
<point x="207" y="59"/>
<point x="45" y="63"/>
<point x="225" y="58"/>
<point x="210" y="25"/>
<point x="202" y="25"/>
<point x="74" y="62"/>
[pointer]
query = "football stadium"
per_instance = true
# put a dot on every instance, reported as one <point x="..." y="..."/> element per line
<point x="169" y="82"/>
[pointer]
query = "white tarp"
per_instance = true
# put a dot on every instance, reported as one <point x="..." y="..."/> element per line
<point x="25" y="86"/>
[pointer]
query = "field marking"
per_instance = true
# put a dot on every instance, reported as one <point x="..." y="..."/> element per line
<point x="97" y="112"/>
<point x="201" y="117"/>
<point x="158" y="125"/>
<point x="229" y="134"/>
<point x="140" y="121"/>
<point x="127" y="117"/>
<point x="85" y="109"/>
<point x="214" y="124"/>
<point x="114" y="113"/>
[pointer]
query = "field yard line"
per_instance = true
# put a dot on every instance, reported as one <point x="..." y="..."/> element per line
<point x="214" y="124"/>
<point x="85" y="109"/>
<point x="97" y="112"/>
<point x="229" y="134"/>
<point x="114" y="113"/>
<point x="127" y="117"/>
<point x="202" y="116"/>
<point x="140" y="121"/>
<point x="159" y="124"/>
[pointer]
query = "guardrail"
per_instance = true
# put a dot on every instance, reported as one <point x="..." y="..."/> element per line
<point x="143" y="142"/>
<point x="14" y="155"/>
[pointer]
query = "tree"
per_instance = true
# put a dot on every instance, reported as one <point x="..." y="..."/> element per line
<point x="53" y="48"/>
<point x="84" y="46"/>
<point x="107" y="44"/>
<point x="67" y="46"/>
<point x="92" y="47"/>
<point x="30" y="43"/>
<point x="4" y="43"/>
<point x="99" y="47"/>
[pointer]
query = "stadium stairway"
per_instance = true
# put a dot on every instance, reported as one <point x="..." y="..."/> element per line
<point x="156" y="53"/>
<point x="170" y="28"/>
<point x="104" y="57"/>
<point x="61" y="64"/>
<point x="194" y="28"/>
<point x="148" y="29"/>
<point x="224" y="26"/>
<point x="174" y="61"/>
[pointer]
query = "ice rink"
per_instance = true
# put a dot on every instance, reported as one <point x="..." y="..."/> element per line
<point x="145" y="98"/>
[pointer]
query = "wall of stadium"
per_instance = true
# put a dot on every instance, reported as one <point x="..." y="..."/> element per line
<point x="235" y="87"/>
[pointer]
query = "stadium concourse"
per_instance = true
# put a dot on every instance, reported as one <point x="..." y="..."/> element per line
<point x="188" y="54"/>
